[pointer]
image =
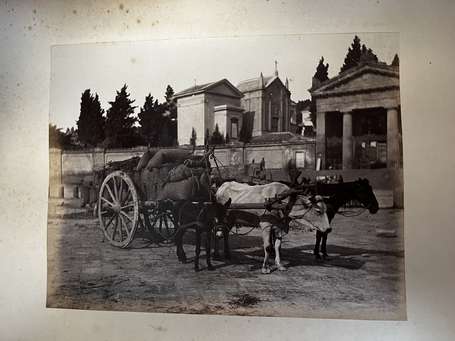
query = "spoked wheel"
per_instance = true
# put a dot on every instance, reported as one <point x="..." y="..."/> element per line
<point x="118" y="209"/>
<point x="160" y="220"/>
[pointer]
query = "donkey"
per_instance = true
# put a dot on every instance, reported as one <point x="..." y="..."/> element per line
<point x="201" y="217"/>
<point x="338" y="195"/>
<point x="298" y="210"/>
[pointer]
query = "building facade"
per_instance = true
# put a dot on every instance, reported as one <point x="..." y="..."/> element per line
<point x="270" y="100"/>
<point x="202" y="107"/>
<point x="358" y="121"/>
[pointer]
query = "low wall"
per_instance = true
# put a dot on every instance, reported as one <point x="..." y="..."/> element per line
<point x="70" y="168"/>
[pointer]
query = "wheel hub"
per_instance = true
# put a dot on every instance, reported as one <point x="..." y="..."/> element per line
<point x="116" y="208"/>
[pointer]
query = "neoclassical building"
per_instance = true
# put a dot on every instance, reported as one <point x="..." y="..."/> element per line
<point x="204" y="106"/>
<point x="358" y="122"/>
<point x="270" y="101"/>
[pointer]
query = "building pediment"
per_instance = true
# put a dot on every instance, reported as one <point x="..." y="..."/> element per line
<point x="362" y="79"/>
<point x="222" y="87"/>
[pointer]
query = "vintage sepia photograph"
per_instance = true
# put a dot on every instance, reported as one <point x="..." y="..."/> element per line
<point x="253" y="176"/>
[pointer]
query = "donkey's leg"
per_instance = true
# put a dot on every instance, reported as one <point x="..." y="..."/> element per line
<point x="316" y="246"/>
<point x="216" y="250"/>
<point x="208" y="246"/>
<point x="272" y="241"/>
<point x="266" y="230"/>
<point x="277" y="251"/>
<point x="227" y="251"/>
<point x="179" y="244"/>
<point x="324" y="245"/>
<point x="198" y="248"/>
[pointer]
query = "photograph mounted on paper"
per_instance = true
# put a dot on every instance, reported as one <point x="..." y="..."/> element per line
<point x="237" y="176"/>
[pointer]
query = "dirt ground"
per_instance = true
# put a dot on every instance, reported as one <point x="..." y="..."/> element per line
<point x="363" y="280"/>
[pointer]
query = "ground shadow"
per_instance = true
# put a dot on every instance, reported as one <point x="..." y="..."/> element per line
<point x="352" y="251"/>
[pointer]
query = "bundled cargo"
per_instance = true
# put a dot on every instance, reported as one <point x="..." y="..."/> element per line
<point x="182" y="172"/>
<point x="124" y="165"/>
<point x="145" y="159"/>
<point x="196" y="161"/>
<point x="168" y="156"/>
<point x="191" y="188"/>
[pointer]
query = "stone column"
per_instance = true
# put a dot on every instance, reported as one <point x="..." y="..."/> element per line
<point x="393" y="139"/>
<point x="320" y="138"/>
<point x="394" y="157"/>
<point x="347" y="140"/>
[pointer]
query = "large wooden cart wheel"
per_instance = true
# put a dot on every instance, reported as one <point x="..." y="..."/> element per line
<point x="161" y="220"/>
<point x="118" y="209"/>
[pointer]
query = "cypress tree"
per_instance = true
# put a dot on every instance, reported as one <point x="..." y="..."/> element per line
<point x="147" y="124"/>
<point x="91" y="122"/>
<point x="193" y="137"/>
<point x="120" y="120"/>
<point x="395" y="61"/>
<point x="217" y="137"/>
<point x="322" y="71"/>
<point x="353" y="56"/>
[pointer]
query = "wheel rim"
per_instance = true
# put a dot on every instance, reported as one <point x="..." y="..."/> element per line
<point x="118" y="209"/>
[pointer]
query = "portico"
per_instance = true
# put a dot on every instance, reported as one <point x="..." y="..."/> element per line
<point x="360" y="109"/>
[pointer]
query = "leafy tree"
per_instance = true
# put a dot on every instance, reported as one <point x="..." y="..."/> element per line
<point x="120" y="120"/>
<point x="171" y="108"/>
<point x="151" y="121"/>
<point x="322" y="71"/>
<point x="169" y="94"/>
<point x="310" y="106"/>
<point x="217" y="137"/>
<point x="395" y="61"/>
<point x="352" y="58"/>
<point x="91" y="122"/>
<point x="193" y="137"/>
<point x="59" y="139"/>
<point x="73" y="137"/>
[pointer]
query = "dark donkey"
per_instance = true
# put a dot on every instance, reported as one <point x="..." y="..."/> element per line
<point x="202" y="217"/>
<point x="338" y="195"/>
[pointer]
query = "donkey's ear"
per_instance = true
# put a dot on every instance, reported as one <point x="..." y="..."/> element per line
<point x="228" y="203"/>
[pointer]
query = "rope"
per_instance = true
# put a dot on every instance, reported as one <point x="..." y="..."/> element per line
<point x="242" y="234"/>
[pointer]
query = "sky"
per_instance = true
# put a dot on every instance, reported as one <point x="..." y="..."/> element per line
<point x="149" y="66"/>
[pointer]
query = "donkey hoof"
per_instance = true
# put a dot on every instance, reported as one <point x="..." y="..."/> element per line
<point x="281" y="268"/>
<point x="265" y="271"/>
<point x="317" y="256"/>
<point x="326" y="257"/>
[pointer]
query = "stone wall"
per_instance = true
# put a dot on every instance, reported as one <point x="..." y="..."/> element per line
<point x="69" y="169"/>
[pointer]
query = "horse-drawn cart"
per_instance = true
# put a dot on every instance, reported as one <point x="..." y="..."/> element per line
<point x="169" y="190"/>
<point x="131" y="194"/>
